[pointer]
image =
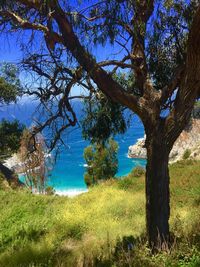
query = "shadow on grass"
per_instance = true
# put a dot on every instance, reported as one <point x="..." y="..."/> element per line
<point x="29" y="256"/>
<point x="127" y="252"/>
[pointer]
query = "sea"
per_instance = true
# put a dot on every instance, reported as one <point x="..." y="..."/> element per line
<point x="67" y="174"/>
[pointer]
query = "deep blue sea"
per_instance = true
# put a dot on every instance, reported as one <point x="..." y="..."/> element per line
<point x="67" y="174"/>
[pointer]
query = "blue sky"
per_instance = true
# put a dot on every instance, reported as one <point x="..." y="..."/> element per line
<point x="10" y="47"/>
<point x="10" y="52"/>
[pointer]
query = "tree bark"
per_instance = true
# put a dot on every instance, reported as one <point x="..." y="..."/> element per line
<point x="157" y="193"/>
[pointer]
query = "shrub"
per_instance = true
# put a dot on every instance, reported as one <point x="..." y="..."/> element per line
<point x="187" y="154"/>
<point x="137" y="171"/>
<point x="49" y="190"/>
<point x="76" y="230"/>
<point x="125" y="183"/>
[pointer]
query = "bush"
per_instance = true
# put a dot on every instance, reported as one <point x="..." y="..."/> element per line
<point x="49" y="190"/>
<point x="187" y="154"/>
<point x="125" y="183"/>
<point x="137" y="171"/>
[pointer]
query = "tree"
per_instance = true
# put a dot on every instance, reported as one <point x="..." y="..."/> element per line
<point x="102" y="120"/>
<point x="158" y="43"/>
<point x="35" y="165"/>
<point x="10" y="137"/>
<point x="10" y="132"/>
<point x="10" y="87"/>
<point x="102" y="162"/>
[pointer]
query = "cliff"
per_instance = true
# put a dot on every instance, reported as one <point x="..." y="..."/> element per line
<point x="8" y="178"/>
<point x="189" y="141"/>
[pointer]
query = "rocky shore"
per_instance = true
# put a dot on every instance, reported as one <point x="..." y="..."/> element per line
<point x="189" y="141"/>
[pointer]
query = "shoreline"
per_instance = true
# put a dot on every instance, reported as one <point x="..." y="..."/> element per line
<point x="70" y="192"/>
<point x="13" y="163"/>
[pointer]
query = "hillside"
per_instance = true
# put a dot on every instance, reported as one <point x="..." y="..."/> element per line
<point x="104" y="227"/>
<point x="8" y="178"/>
<point x="187" y="144"/>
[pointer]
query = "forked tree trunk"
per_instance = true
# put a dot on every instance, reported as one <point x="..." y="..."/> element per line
<point x="157" y="193"/>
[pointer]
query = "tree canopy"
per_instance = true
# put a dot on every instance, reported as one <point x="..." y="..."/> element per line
<point x="10" y="136"/>
<point x="10" y="89"/>
<point x="150" y="40"/>
<point x="10" y="86"/>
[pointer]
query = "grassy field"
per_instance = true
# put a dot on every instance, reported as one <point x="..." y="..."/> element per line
<point x="104" y="227"/>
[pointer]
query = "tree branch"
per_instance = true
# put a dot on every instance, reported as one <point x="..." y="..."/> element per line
<point x="143" y="11"/>
<point x="25" y="24"/>
<point x="168" y="90"/>
<point x="103" y="80"/>
<point x="189" y="86"/>
<point x="120" y="64"/>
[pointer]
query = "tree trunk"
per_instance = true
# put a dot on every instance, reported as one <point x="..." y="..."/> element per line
<point x="157" y="193"/>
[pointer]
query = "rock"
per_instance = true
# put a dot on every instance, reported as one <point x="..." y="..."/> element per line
<point x="10" y="176"/>
<point x="13" y="163"/>
<point x="138" y="150"/>
<point x="189" y="140"/>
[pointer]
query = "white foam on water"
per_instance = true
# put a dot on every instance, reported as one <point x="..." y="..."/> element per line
<point x="83" y="165"/>
<point x="71" y="192"/>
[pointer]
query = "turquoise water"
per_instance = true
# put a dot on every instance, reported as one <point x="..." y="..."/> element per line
<point x="67" y="174"/>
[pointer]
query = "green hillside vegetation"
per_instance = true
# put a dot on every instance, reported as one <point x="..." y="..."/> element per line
<point x="104" y="227"/>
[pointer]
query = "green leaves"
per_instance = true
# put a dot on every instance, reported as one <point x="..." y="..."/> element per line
<point x="102" y="162"/>
<point x="10" y="136"/>
<point x="167" y="39"/>
<point x="103" y="119"/>
<point x="10" y="86"/>
<point x="7" y="92"/>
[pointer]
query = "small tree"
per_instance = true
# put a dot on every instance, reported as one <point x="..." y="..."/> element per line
<point x="102" y="162"/>
<point x="32" y="154"/>
<point x="103" y="119"/>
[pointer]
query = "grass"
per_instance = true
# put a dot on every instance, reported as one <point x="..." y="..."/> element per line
<point x="104" y="227"/>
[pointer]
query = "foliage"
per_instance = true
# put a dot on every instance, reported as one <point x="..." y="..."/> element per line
<point x="10" y="86"/>
<point x="187" y="154"/>
<point x="138" y="171"/>
<point x="10" y="136"/>
<point x="102" y="163"/>
<point x="49" y="190"/>
<point x="10" y="89"/>
<point x="102" y="119"/>
<point x="104" y="226"/>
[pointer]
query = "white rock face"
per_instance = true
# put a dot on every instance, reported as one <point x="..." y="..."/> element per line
<point x="189" y="139"/>
<point x="138" y="150"/>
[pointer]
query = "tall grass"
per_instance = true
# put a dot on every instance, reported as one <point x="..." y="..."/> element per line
<point x="104" y="227"/>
